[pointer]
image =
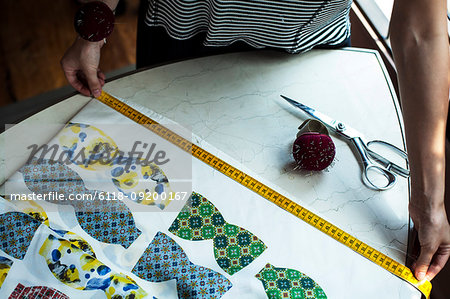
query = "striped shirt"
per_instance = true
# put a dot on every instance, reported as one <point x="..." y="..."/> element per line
<point x="293" y="25"/>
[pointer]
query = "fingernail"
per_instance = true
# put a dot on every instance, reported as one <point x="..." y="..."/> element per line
<point x="96" y="93"/>
<point x="421" y="275"/>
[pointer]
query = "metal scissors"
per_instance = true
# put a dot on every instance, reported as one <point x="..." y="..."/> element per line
<point x="372" y="161"/>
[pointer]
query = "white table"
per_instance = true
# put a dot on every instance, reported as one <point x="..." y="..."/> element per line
<point x="232" y="102"/>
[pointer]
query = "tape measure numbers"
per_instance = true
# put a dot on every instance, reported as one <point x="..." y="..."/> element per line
<point x="268" y="193"/>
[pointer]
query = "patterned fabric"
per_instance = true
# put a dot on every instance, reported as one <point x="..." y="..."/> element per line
<point x="39" y="292"/>
<point x="164" y="259"/>
<point x="76" y="240"/>
<point x="293" y="25"/>
<point x="288" y="283"/>
<point x="77" y="269"/>
<point x="138" y="179"/>
<point x="5" y="265"/>
<point x="106" y="221"/>
<point x="234" y="247"/>
<point x="32" y="209"/>
<point x="16" y="232"/>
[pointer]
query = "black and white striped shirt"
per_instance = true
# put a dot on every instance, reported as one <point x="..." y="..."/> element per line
<point x="293" y="25"/>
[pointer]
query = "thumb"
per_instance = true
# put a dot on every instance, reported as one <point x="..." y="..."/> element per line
<point x="423" y="262"/>
<point x="93" y="82"/>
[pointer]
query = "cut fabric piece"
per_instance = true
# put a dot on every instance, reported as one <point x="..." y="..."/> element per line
<point x="234" y="247"/>
<point x="85" y="145"/>
<point x="288" y="283"/>
<point x="37" y="292"/>
<point x="5" y="265"/>
<point x="134" y="178"/>
<point x="16" y="232"/>
<point x="76" y="240"/>
<point x="32" y="209"/>
<point x="43" y="176"/>
<point x="106" y="221"/>
<point x="77" y="269"/>
<point x="139" y="179"/>
<point x="164" y="259"/>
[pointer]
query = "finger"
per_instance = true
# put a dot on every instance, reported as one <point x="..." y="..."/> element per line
<point x="93" y="82"/>
<point x="423" y="262"/>
<point x="437" y="264"/>
<point x="101" y="75"/>
<point x="76" y="83"/>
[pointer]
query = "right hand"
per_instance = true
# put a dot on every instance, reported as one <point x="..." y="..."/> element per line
<point x="434" y="238"/>
<point x="80" y="66"/>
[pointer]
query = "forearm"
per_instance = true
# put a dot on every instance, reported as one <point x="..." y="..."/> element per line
<point x="111" y="3"/>
<point x="421" y="52"/>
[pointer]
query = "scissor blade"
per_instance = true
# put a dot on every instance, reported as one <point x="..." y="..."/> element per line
<point x="314" y="113"/>
<point x="337" y="126"/>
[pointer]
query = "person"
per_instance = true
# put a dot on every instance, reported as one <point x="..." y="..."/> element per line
<point x="419" y="39"/>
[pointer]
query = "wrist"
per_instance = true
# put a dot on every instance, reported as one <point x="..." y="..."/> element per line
<point x="82" y="43"/>
<point x="111" y="3"/>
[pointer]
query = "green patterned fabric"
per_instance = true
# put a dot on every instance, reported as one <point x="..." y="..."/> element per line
<point x="234" y="247"/>
<point x="288" y="283"/>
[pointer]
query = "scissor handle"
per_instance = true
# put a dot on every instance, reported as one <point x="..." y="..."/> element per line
<point x="391" y="178"/>
<point x="369" y="166"/>
<point x="389" y="165"/>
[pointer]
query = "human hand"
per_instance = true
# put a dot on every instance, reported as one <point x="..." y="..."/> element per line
<point x="80" y="66"/>
<point x="434" y="237"/>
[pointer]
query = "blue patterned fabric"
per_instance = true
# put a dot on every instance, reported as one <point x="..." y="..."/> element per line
<point x="16" y="232"/>
<point x="164" y="259"/>
<point x="106" y="221"/>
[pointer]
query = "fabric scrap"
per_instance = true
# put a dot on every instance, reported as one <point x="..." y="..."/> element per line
<point x="138" y="179"/>
<point x="288" y="283"/>
<point x="36" y="292"/>
<point x="5" y="266"/>
<point x="234" y="246"/>
<point x="106" y="221"/>
<point x="164" y="259"/>
<point x="80" y="270"/>
<point x="16" y="232"/>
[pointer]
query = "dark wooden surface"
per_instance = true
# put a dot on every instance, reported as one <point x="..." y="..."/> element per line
<point x="34" y="36"/>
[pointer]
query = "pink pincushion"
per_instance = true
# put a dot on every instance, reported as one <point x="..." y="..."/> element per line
<point x="313" y="151"/>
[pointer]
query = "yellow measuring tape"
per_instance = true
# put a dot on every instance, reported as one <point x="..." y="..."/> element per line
<point x="268" y="193"/>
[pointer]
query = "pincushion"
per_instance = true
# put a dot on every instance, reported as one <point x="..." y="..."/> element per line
<point x="94" y="21"/>
<point x="313" y="150"/>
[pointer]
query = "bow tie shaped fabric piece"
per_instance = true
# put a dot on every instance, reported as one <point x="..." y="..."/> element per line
<point x="36" y="292"/>
<point x="80" y="270"/>
<point x="91" y="149"/>
<point x="234" y="247"/>
<point x="16" y="232"/>
<point x="288" y="283"/>
<point x="105" y="221"/>
<point x="75" y="240"/>
<point x="17" y="229"/>
<point x="5" y="265"/>
<point x="164" y="259"/>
